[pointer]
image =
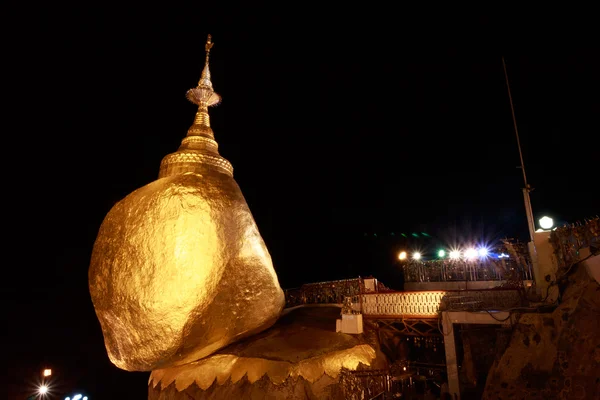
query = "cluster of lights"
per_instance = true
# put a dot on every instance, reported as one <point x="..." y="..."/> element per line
<point x="77" y="397"/>
<point x="44" y="389"/>
<point x="470" y="254"/>
<point x="415" y="256"/>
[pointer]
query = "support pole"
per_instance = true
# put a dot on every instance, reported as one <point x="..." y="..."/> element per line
<point x="451" y="361"/>
<point x="526" y="190"/>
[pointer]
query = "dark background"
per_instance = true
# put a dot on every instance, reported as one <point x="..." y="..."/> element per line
<point x="346" y="127"/>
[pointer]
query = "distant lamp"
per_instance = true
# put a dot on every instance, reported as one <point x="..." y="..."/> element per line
<point x="84" y="398"/>
<point x="546" y="222"/>
<point x="454" y="255"/>
<point x="402" y="255"/>
<point x="416" y="256"/>
<point x="77" y="397"/>
<point x="441" y="254"/>
<point x="47" y="372"/>
<point x="42" y="390"/>
<point x="483" y="252"/>
<point x="470" y="254"/>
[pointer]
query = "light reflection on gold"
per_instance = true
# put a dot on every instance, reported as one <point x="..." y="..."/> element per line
<point x="224" y="366"/>
<point x="179" y="269"/>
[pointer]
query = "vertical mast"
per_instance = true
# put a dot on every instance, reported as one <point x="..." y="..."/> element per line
<point x="527" y="189"/>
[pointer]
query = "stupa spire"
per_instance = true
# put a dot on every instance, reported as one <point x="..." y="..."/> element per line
<point x="204" y="96"/>
<point x="199" y="148"/>
<point x="205" y="77"/>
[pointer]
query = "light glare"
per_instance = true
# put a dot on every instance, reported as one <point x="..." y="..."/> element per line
<point x="43" y="389"/>
<point x="470" y="254"/>
<point x="441" y="254"/>
<point x="402" y="255"/>
<point x="546" y="222"/>
<point x="47" y="372"/>
<point x="454" y="254"/>
<point x="417" y="256"/>
<point x="483" y="252"/>
<point x="77" y="397"/>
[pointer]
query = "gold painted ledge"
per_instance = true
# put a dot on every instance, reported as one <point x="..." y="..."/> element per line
<point x="303" y="343"/>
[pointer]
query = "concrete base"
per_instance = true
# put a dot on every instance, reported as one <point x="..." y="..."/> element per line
<point x="449" y="318"/>
<point x="350" y="323"/>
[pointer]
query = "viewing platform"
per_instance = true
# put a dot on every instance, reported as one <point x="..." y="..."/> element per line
<point x="373" y="300"/>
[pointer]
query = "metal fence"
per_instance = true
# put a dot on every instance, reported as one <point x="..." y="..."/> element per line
<point x="461" y="270"/>
<point x="568" y="240"/>
<point x="329" y="292"/>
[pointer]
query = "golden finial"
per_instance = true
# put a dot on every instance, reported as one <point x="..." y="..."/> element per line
<point x="203" y="94"/>
<point x="209" y="44"/>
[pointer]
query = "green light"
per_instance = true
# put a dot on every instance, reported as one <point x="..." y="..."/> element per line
<point x="441" y="254"/>
<point x="415" y="235"/>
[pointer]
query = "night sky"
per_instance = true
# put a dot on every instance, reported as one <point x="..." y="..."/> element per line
<point x="345" y="130"/>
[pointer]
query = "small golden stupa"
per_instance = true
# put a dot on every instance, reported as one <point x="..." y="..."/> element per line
<point x="179" y="269"/>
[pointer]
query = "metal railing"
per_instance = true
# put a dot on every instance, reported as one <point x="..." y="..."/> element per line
<point x="461" y="270"/>
<point x="329" y="292"/>
<point x="568" y="240"/>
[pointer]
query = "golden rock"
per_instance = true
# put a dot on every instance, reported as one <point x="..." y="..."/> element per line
<point x="179" y="269"/>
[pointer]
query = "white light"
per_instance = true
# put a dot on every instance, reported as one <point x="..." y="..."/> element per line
<point x="416" y="256"/>
<point x="67" y="398"/>
<point x="546" y="222"/>
<point x="402" y="255"/>
<point x="454" y="254"/>
<point x="47" y="372"/>
<point x="77" y="397"/>
<point x="43" y="389"/>
<point x="470" y="254"/>
<point x="483" y="252"/>
<point x="84" y="398"/>
<point x="503" y="255"/>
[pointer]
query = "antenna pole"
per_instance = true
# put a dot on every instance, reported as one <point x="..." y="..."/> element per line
<point x="527" y="189"/>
